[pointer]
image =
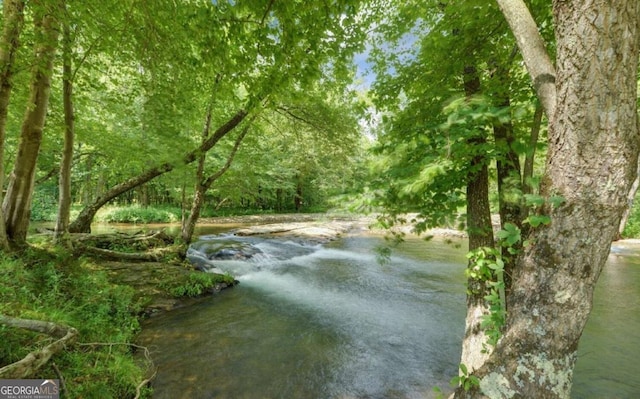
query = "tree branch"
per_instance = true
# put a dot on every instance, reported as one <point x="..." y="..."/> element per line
<point x="534" y="52"/>
<point x="264" y="16"/>
<point x="288" y="112"/>
<point x="207" y="183"/>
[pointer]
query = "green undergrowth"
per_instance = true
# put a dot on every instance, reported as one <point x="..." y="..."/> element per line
<point x="632" y="228"/>
<point x="196" y="284"/>
<point x="44" y="211"/>
<point x="163" y="214"/>
<point x="51" y="285"/>
<point x="138" y="214"/>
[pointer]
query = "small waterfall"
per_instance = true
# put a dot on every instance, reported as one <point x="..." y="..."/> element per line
<point x="241" y="255"/>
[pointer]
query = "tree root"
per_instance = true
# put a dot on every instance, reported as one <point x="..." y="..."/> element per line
<point x="151" y="247"/>
<point x="31" y="363"/>
<point x="154" y="255"/>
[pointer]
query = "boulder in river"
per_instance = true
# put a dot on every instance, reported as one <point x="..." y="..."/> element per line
<point x="226" y="249"/>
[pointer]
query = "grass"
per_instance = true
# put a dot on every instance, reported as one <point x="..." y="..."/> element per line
<point x="196" y="284"/>
<point x="51" y="285"/>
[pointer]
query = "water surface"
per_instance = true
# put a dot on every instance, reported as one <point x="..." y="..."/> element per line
<point x="332" y="322"/>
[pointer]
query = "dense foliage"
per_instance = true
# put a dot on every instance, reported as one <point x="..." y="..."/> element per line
<point x="140" y="112"/>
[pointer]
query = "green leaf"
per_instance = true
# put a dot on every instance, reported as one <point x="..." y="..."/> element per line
<point x="537" y="220"/>
<point x="534" y="199"/>
<point x="556" y="200"/>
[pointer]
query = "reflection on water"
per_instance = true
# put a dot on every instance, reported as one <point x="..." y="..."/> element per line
<point x="331" y="322"/>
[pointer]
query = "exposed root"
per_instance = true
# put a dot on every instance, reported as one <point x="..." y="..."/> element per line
<point x="31" y="363"/>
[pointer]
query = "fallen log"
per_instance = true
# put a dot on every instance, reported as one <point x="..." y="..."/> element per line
<point x="31" y="363"/>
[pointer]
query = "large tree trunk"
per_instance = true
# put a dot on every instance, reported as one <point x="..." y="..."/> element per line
<point x="83" y="222"/>
<point x="9" y="43"/>
<point x="592" y="159"/>
<point x="64" y="200"/>
<point x="17" y="203"/>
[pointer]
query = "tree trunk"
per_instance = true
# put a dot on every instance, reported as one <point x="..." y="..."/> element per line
<point x="527" y="172"/>
<point x="202" y="186"/>
<point x="83" y="222"/>
<point x="297" y="198"/>
<point x="533" y="51"/>
<point x="13" y="22"/>
<point x="189" y="222"/>
<point x="592" y="160"/>
<point x="508" y="168"/>
<point x="64" y="201"/>
<point x="480" y="235"/>
<point x="17" y="203"/>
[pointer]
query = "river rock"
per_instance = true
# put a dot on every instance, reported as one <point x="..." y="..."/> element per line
<point x="226" y="249"/>
<point x="316" y="232"/>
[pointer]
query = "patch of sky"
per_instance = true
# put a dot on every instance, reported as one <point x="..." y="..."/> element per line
<point x="398" y="52"/>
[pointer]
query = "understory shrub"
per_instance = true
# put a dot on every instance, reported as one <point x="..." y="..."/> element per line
<point x="196" y="284"/>
<point x="138" y="214"/>
<point x="632" y="228"/>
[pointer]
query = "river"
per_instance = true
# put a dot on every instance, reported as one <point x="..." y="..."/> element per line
<point x="332" y="321"/>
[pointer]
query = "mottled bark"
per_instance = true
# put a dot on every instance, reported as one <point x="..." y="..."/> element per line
<point x="64" y="186"/>
<point x="592" y="160"/>
<point x="17" y="203"/>
<point x="13" y="13"/>
<point x="82" y="224"/>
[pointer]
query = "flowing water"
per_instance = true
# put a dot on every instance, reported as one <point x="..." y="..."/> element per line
<point x="332" y="322"/>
